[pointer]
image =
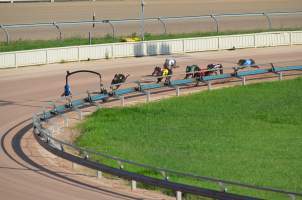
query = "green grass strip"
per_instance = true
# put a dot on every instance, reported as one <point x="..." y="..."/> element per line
<point x="250" y="134"/>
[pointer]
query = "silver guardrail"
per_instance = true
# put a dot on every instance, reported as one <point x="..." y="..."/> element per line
<point x="161" y="19"/>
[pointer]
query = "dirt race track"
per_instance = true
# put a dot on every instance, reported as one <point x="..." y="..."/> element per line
<point x="27" y="171"/>
<point x="20" y="13"/>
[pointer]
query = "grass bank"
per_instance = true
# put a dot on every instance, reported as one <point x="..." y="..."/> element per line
<point x="38" y="44"/>
<point x="250" y="134"/>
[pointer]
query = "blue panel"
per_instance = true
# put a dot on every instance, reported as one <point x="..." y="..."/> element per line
<point x="78" y="102"/>
<point x="253" y="72"/>
<point x="181" y="82"/>
<point x="99" y="97"/>
<point x="279" y="69"/>
<point x="216" y="77"/>
<point x="124" y="91"/>
<point x="150" y="86"/>
<point x="60" y="108"/>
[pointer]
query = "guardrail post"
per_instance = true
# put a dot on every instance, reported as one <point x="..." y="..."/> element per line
<point x="122" y="98"/>
<point x="178" y="195"/>
<point x="223" y="187"/>
<point x="148" y="95"/>
<point x="177" y="91"/>
<point x="112" y="27"/>
<point x="209" y="85"/>
<point x="133" y="185"/>
<point x="292" y="197"/>
<point x="164" y="25"/>
<point x="6" y="33"/>
<point x="15" y="60"/>
<point x="89" y="38"/>
<point x="58" y="28"/>
<point x="268" y="21"/>
<point x="244" y="80"/>
<point x="99" y="174"/>
<point x="216" y="22"/>
<point x="120" y="164"/>
<point x="280" y="76"/>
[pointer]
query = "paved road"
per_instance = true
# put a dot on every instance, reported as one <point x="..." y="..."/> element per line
<point x="73" y="11"/>
<point x="29" y="172"/>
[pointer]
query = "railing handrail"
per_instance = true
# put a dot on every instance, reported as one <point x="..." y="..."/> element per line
<point x="148" y="19"/>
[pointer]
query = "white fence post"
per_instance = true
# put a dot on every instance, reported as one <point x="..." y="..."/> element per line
<point x="112" y="50"/>
<point x="15" y="57"/>
<point x="178" y="195"/>
<point x="133" y="185"/>
<point x="78" y="53"/>
<point x="46" y="56"/>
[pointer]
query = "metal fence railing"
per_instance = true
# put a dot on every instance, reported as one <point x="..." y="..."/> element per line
<point x="214" y="19"/>
<point x="83" y="155"/>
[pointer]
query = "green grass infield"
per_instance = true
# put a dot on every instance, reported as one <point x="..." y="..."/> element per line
<point x="251" y="134"/>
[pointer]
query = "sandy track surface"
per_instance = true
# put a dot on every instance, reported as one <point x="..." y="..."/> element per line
<point x="74" y="11"/>
<point x="27" y="171"/>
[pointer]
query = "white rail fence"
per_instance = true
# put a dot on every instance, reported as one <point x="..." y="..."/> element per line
<point x="160" y="47"/>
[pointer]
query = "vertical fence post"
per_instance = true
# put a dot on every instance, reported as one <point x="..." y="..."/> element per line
<point x="15" y="60"/>
<point x="148" y="96"/>
<point x="79" y="58"/>
<point x="268" y="21"/>
<point x="209" y="85"/>
<point x="59" y="30"/>
<point x="99" y="174"/>
<point x="216" y="22"/>
<point x="122" y="98"/>
<point x="6" y="33"/>
<point x="177" y="91"/>
<point x="112" y="51"/>
<point x="178" y="195"/>
<point x="112" y="27"/>
<point x="89" y="37"/>
<point x="142" y="20"/>
<point x="280" y="76"/>
<point x="133" y="185"/>
<point x="164" y="25"/>
<point x="244" y="80"/>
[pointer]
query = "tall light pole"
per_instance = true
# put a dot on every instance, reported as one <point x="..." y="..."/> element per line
<point x="142" y="20"/>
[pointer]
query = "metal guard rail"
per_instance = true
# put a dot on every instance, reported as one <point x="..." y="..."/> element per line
<point x="161" y="19"/>
<point x="46" y="139"/>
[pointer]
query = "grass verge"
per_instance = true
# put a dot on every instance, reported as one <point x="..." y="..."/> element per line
<point x="250" y="134"/>
<point x="38" y="44"/>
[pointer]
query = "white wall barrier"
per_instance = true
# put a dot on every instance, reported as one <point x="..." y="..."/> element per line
<point x="150" y="48"/>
